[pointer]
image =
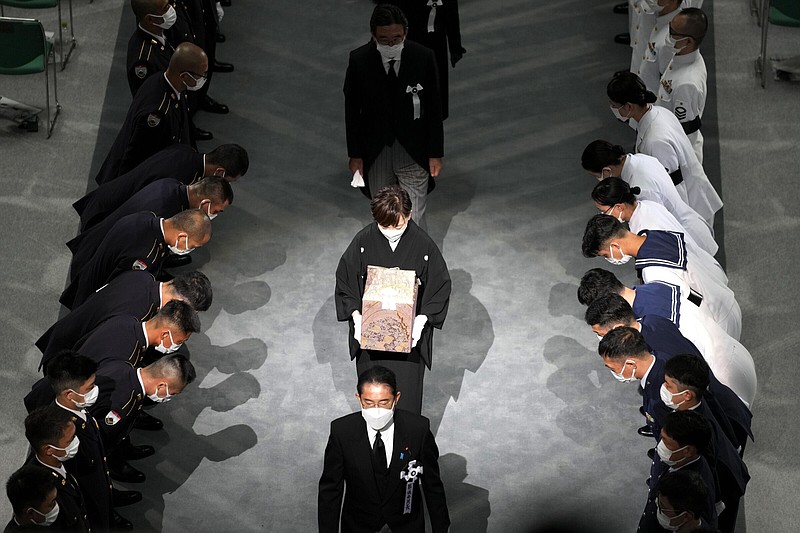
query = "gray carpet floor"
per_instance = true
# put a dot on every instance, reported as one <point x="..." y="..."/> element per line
<point x="528" y="421"/>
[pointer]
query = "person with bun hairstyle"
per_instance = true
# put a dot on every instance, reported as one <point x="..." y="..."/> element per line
<point x="659" y="134"/>
<point x="613" y="196"/>
<point x="602" y="159"/>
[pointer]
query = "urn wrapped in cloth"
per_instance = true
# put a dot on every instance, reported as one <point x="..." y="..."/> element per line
<point x="388" y="309"/>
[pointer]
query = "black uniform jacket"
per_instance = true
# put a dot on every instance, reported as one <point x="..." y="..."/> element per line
<point x="146" y="56"/>
<point x="71" y="511"/>
<point x="156" y="118"/>
<point x="178" y="161"/>
<point x="136" y="242"/>
<point x="348" y="473"/>
<point x="119" y="401"/>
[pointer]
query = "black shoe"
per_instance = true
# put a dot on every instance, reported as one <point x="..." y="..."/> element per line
<point x="121" y="498"/>
<point x="129" y="452"/>
<point x="645" y="431"/>
<point x="221" y="66"/>
<point x="220" y="37"/>
<point x="120" y="523"/>
<point x="174" y="260"/>
<point x="212" y="106"/>
<point x="651" y="453"/>
<point x="125" y="473"/>
<point x="622" y="38"/>
<point x="147" y="422"/>
<point x="621" y="9"/>
<point x="202" y="135"/>
<point x="641" y="411"/>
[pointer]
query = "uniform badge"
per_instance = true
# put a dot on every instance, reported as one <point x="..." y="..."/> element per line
<point x="112" y="418"/>
<point x="153" y="120"/>
<point x="140" y="71"/>
<point x="667" y="85"/>
<point x="680" y="112"/>
<point x="139" y="265"/>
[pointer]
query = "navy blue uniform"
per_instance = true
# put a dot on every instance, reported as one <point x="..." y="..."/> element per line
<point x="146" y="56"/>
<point x="119" y="401"/>
<point x="71" y="511"/>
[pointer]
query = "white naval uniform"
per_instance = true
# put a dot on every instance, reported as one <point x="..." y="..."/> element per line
<point x="657" y="53"/>
<point x="694" y="273"/>
<point x="647" y="173"/>
<point x="683" y="91"/>
<point x="660" y="135"/>
<point x="641" y="21"/>
<point x="652" y="215"/>
<point x="729" y="361"/>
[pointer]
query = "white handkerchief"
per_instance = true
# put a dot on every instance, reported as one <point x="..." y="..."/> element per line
<point x="358" y="180"/>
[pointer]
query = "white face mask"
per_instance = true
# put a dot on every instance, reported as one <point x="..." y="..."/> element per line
<point x="390" y="52"/>
<point x="71" y="449"/>
<point x="666" y="397"/>
<point x="211" y="215"/>
<point x="169" y="18"/>
<point x="665" y="453"/>
<point x="88" y="399"/>
<point x="49" y="518"/>
<point x="671" y="42"/>
<point x="173" y="346"/>
<point x="377" y="417"/>
<point x="177" y="251"/>
<point x="618" y="115"/>
<point x="198" y="82"/>
<point x="665" y="521"/>
<point x="392" y="235"/>
<point x="158" y="399"/>
<point x="614" y="261"/>
<point x="609" y="212"/>
<point x="621" y="376"/>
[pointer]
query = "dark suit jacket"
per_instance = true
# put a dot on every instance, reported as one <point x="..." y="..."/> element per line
<point x="348" y="461"/>
<point x="662" y="335"/>
<point x="136" y="242"/>
<point x="165" y="198"/>
<point x="178" y="161"/>
<point x="377" y="112"/>
<point x="135" y="293"/>
<point x="146" y="56"/>
<point x="156" y="118"/>
<point x="654" y="408"/>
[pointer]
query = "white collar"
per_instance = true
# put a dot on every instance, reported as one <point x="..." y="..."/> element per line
<point x="146" y="340"/>
<point x="161" y="39"/>
<point x="141" y="383"/>
<point x="687" y="59"/>
<point x="81" y="413"/>
<point x="644" y="378"/>
<point x="60" y="468"/>
<point x="176" y="91"/>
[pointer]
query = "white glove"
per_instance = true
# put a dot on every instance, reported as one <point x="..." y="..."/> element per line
<point x="357" y="326"/>
<point x="220" y="12"/>
<point x="416" y="330"/>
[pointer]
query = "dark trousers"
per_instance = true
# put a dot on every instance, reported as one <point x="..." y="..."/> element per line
<point x="409" y="369"/>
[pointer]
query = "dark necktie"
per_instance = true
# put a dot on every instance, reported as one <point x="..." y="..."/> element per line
<point x="392" y="74"/>
<point x="379" y="451"/>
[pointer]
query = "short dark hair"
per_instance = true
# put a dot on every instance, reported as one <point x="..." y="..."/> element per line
<point x="613" y="191"/>
<point x="69" y="370"/>
<point x="689" y="371"/>
<point x="598" y="282"/>
<point x="142" y="8"/>
<point x="194" y="222"/>
<point x="623" y="342"/>
<point x="232" y="157"/>
<point x="377" y="375"/>
<point x="180" y="314"/>
<point x="195" y="288"/>
<point x="46" y="425"/>
<point x="389" y="204"/>
<point x="599" y="154"/>
<point x="685" y="490"/>
<point x="688" y="428"/>
<point x="216" y="189"/>
<point x="174" y="366"/>
<point x="696" y="23"/>
<point x="627" y="87"/>
<point x="29" y="486"/>
<point x="609" y="309"/>
<point x="599" y="230"/>
<point x="386" y="15"/>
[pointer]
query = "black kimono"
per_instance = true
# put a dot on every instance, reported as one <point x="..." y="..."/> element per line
<point x="135" y="293"/>
<point x="156" y="119"/>
<point x="415" y="251"/>
<point x="136" y="242"/>
<point x="178" y="161"/>
<point x="165" y="198"/>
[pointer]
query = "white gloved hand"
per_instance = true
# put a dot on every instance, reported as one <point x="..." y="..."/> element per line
<point x="220" y="12"/>
<point x="416" y="330"/>
<point x="357" y="326"/>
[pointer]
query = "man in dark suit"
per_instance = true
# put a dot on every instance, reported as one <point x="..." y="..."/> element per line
<point x="32" y="493"/>
<point x="382" y="456"/>
<point x="393" y="113"/>
<point x="149" y="51"/>
<point x="157" y="117"/>
<point x="177" y="161"/>
<point x="136" y="293"/>
<point x="136" y="242"/>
